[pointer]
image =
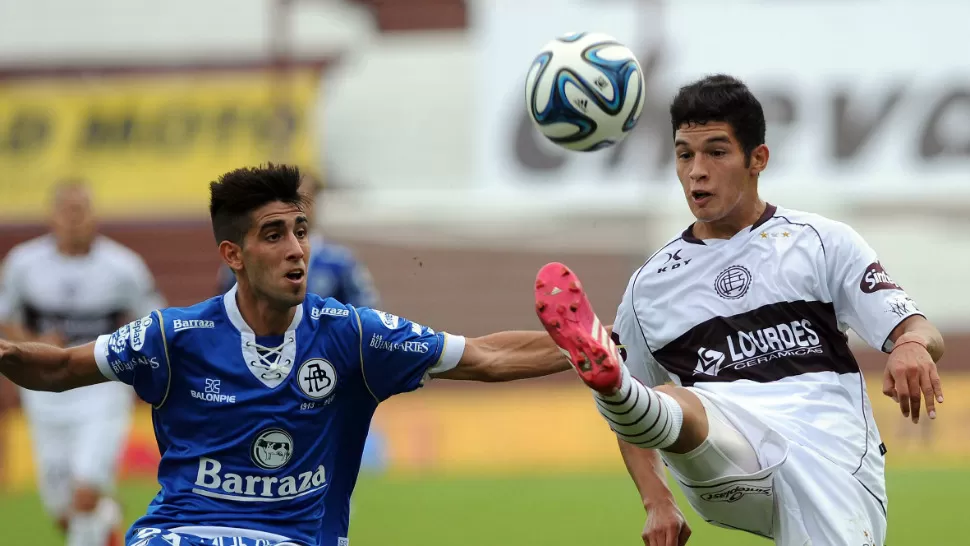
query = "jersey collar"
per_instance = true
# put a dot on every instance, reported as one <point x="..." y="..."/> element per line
<point x="236" y="318"/>
<point x="688" y="234"/>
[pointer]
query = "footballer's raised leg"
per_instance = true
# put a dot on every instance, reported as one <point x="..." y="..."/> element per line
<point x="638" y="415"/>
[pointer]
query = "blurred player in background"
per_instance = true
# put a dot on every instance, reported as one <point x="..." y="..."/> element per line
<point x="769" y="429"/>
<point x="263" y="396"/>
<point x="333" y="272"/>
<point x="65" y="288"/>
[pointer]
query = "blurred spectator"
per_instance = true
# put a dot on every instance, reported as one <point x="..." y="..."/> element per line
<point x="66" y="288"/>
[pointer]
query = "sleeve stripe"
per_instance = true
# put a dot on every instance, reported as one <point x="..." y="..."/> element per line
<point x="453" y="347"/>
<point x="168" y="360"/>
<point x="101" y="357"/>
<point x="360" y="336"/>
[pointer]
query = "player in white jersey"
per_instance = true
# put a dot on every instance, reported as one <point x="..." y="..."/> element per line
<point x="729" y="356"/>
<point x="66" y="288"/>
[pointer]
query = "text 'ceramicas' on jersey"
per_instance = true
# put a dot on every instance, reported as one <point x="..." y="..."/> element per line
<point x="249" y="428"/>
<point x="761" y="319"/>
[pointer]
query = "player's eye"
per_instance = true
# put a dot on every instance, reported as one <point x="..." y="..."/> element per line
<point x="301" y="233"/>
<point x="683" y="156"/>
<point x="273" y="237"/>
<point x="719" y="153"/>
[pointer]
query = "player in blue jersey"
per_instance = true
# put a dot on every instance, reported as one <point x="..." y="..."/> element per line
<point x="259" y="393"/>
<point x="332" y="272"/>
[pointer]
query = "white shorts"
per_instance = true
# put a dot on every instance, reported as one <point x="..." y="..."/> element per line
<point x="797" y="498"/>
<point x="68" y="454"/>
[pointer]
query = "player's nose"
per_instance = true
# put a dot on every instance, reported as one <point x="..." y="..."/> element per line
<point x="698" y="170"/>
<point x="294" y="248"/>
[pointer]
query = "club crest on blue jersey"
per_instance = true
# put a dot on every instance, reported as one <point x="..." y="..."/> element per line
<point x="317" y="378"/>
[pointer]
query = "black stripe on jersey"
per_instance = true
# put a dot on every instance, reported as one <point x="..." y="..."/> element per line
<point x="766" y="344"/>
<point x="75" y="328"/>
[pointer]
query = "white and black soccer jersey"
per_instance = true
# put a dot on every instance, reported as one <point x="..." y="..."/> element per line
<point x="79" y="297"/>
<point x="761" y="319"/>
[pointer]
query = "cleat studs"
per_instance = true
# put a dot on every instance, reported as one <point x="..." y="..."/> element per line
<point x="565" y="272"/>
<point x="540" y="283"/>
<point x="574" y="286"/>
<point x="561" y="309"/>
<point x="540" y="306"/>
<point x="574" y="307"/>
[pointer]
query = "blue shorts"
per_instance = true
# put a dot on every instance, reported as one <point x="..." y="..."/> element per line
<point x="148" y="536"/>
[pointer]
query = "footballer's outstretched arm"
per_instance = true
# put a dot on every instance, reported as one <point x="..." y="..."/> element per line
<point x="665" y="522"/>
<point x="508" y="356"/>
<point x="41" y="367"/>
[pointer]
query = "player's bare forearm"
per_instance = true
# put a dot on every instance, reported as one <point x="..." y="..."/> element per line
<point x="508" y="356"/>
<point x="40" y="367"/>
<point x="647" y="471"/>
<point x="917" y="328"/>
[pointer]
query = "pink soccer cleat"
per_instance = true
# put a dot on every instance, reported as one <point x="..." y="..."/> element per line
<point x="567" y="315"/>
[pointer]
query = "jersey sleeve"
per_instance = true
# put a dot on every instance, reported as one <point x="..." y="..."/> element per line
<point x="137" y="354"/>
<point x="865" y="297"/>
<point x="397" y="355"/>
<point x="629" y="339"/>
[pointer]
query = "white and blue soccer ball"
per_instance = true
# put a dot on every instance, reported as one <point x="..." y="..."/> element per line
<point x="584" y="91"/>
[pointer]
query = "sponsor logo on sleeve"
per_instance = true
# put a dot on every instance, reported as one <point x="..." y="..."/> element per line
<point x="389" y="320"/>
<point x="377" y="341"/>
<point x="130" y="365"/>
<point x="875" y="278"/>
<point x="902" y="306"/>
<point x="420" y="330"/>
<point x="139" y="329"/>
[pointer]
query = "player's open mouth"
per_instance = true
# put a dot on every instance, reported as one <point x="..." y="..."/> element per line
<point x="296" y="275"/>
<point x="701" y="197"/>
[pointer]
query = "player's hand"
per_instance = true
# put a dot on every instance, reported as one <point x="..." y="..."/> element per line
<point x="911" y="374"/>
<point x="665" y="526"/>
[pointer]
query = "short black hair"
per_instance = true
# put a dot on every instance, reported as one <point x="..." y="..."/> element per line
<point x="725" y="99"/>
<point x="236" y="194"/>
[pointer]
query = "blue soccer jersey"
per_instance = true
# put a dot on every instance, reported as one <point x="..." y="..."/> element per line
<point x="252" y="430"/>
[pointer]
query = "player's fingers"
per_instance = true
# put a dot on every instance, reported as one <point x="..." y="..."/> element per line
<point x="927" y="387"/>
<point x="915" y="395"/>
<point x="684" y="535"/>
<point x="937" y="385"/>
<point x="902" y="392"/>
<point x="668" y="539"/>
<point x="888" y="385"/>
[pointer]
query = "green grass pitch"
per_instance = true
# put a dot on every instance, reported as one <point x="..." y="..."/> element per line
<point x="530" y="510"/>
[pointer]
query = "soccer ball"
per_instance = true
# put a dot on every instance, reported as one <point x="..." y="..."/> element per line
<point x="584" y="91"/>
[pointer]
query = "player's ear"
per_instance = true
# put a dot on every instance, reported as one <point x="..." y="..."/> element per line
<point x="759" y="160"/>
<point x="231" y="254"/>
